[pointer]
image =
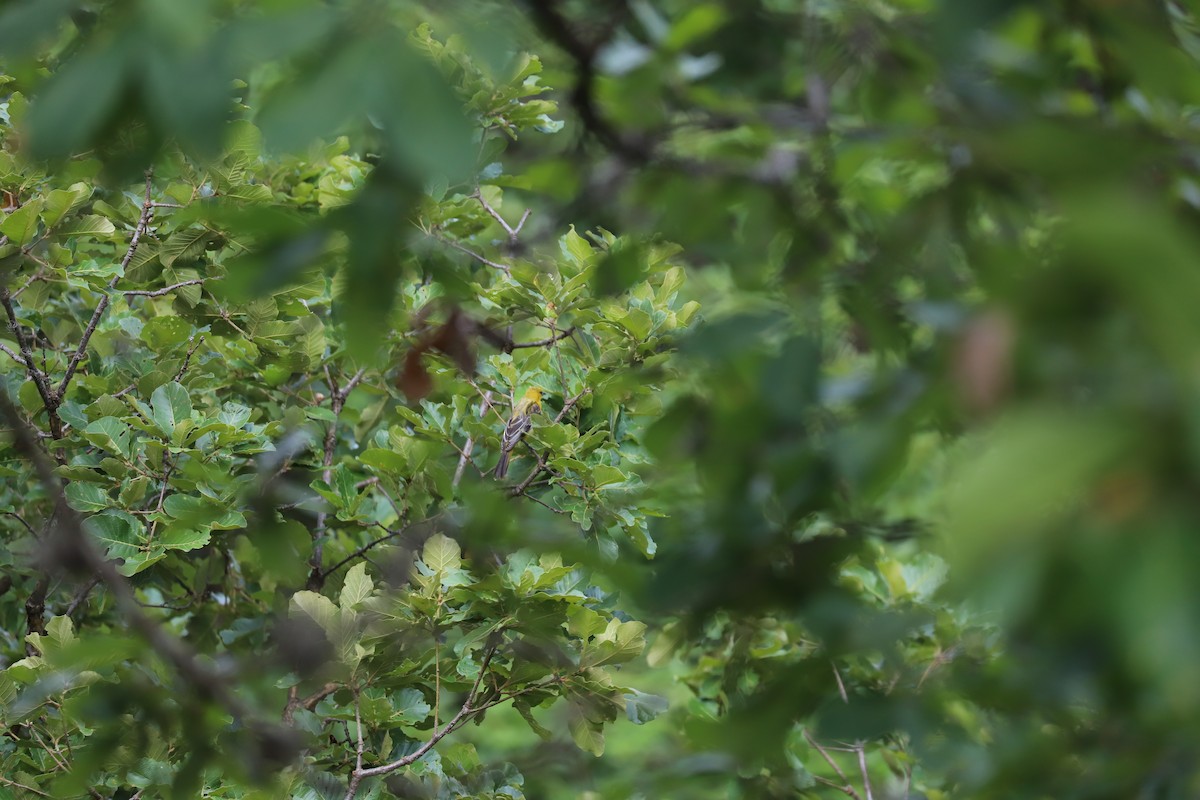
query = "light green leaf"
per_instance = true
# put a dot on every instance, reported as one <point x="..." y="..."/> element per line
<point x="182" y="538"/>
<point x="319" y="608"/>
<point x="89" y="225"/>
<point x="357" y="587"/>
<point x="441" y="554"/>
<point x="21" y="225"/>
<point x="641" y="707"/>
<point x="604" y="475"/>
<point x="588" y="735"/>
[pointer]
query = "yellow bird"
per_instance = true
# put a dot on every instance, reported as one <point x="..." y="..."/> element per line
<point x="518" y="425"/>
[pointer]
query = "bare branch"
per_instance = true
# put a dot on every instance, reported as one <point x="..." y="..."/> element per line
<point x="464" y="713"/>
<point x="847" y="787"/>
<point x="165" y="289"/>
<point x="512" y="234"/>
<point x="544" y="342"/>
<point x="524" y="218"/>
<point x="841" y="686"/>
<point x="8" y="352"/>
<point x="484" y="405"/>
<point x="860" y="748"/>
<point x="485" y="261"/>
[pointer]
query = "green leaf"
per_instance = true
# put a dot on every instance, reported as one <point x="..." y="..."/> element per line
<point x="587" y="735"/>
<point x="170" y="405"/>
<point x="111" y="434"/>
<point x="318" y="608"/>
<point x="120" y="534"/>
<point x="357" y="587"/>
<point x="86" y="497"/>
<point x="441" y="554"/>
<point x="620" y="642"/>
<point x="641" y="707"/>
<point x="604" y="475"/>
<point x="21" y="226"/>
<point x="89" y="225"/>
<point x="182" y="538"/>
<point x="60" y="202"/>
<point x="410" y="707"/>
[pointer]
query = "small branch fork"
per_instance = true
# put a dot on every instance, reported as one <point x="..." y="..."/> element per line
<point x="307" y="703"/>
<point x="858" y="749"/>
<point x="52" y="397"/>
<point x="513" y="231"/>
<point x="469" y="446"/>
<point x="468" y="710"/>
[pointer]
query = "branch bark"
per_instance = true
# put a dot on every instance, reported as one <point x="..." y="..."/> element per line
<point x="469" y="446"/>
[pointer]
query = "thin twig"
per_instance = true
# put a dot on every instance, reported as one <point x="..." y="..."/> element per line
<point x="39" y="378"/>
<point x="481" y="259"/>
<point x="81" y="596"/>
<point x="308" y="703"/>
<point x="8" y="352"/>
<point x="469" y="446"/>
<point x="841" y="686"/>
<point x="862" y="766"/>
<point x="512" y="234"/>
<point x="544" y="342"/>
<point x="337" y="401"/>
<point x="164" y="290"/>
<point x="524" y="218"/>
<point x="21" y="520"/>
<point x="847" y="788"/>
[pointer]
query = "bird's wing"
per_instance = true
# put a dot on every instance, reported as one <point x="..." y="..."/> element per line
<point x="517" y="427"/>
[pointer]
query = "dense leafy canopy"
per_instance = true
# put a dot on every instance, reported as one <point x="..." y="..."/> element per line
<point x="868" y="459"/>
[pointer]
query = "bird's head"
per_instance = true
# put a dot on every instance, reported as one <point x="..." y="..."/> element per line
<point x="534" y="394"/>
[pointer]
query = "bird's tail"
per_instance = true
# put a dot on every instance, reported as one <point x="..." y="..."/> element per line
<point x="502" y="464"/>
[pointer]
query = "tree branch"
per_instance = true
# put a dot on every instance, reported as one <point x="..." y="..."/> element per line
<point x="860" y="748"/>
<point x="485" y="261"/>
<point x="8" y="352"/>
<point x="307" y="703"/>
<point x="164" y="290"/>
<point x="138" y="232"/>
<point x="469" y="446"/>
<point x="544" y="342"/>
<point x="74" y="550"/>
<point x="39" y="378"/>
<point x="464" y="713"/>
<point x="848" y="788"/>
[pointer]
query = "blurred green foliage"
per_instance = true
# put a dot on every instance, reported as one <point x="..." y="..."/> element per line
<point x="869" y="454"/>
